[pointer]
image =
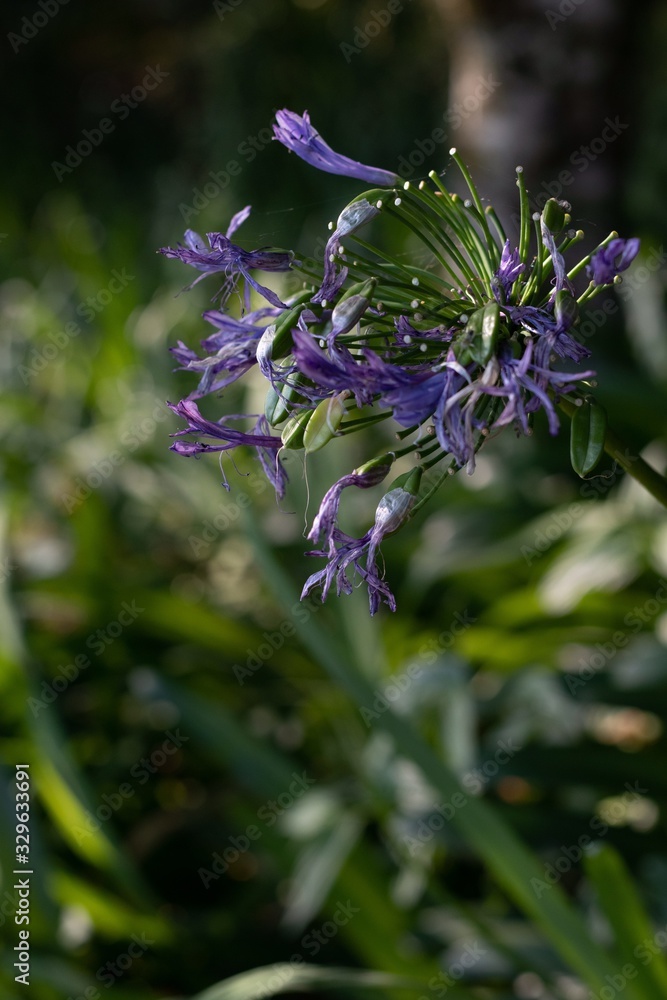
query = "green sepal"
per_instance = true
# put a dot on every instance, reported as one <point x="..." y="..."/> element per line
<point x="363" y="288"/>
<point x="387" y="460"/>
<point x="408" y="481"/>
<point x="373" y="196"/>
<point x="282" y="337"/>
<point x="587" y="436"/>
<point x="293" y="431"/>
<point x="324" y="422"/>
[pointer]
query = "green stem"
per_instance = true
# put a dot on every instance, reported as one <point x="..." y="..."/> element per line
<point x="634" y="465"/>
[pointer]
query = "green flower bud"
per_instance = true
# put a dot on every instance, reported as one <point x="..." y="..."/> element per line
<point x="282" y="337"/>
<point x="587" y="436"/>
<point x="553" y="215"/>
<point x="382" y="461"/>
<point x="279" y="406"/>
<point x="293" y="431"/>
<point x="481" y="334"/>
<point x="324" y="422"/>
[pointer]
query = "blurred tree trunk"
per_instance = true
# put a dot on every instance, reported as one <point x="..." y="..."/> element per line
<point x="538" y="83"/>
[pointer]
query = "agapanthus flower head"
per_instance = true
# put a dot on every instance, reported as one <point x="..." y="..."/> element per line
<point x="439" y="348"/>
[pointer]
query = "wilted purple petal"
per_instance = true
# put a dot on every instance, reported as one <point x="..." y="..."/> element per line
<point x="325" y="521"/>
<point x="223" y="256"/>
<point x="562" y="281"/>
<point x="297" y="134"/>
<point x="345" y="552"/>
<point x="267" y="445"/>
<point x="238" y="220"/>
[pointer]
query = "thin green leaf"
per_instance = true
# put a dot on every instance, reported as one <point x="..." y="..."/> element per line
<point x="636" y="947"/>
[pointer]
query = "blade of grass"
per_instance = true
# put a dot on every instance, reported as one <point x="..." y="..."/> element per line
<point x="635" y="942"/>
<point x="283" y="977"/>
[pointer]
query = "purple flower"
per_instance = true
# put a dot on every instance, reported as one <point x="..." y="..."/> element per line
<point x="233" y="347"/>
<point x="368" y="377"/>
<point x="266" y="444"/>
<point x="609" y="261"/>
<point x="325" y="522"/>
<point x="511" y="266"/>
<point x="528" y="383"/>
<point x="231" y="330"/>
<point x="296" y="132"/>
<point x="224" y="256"/>
<point x="562" y="280"/>
<point x="345" y="552"/>
<point x="544" y="325"/>
<point x="415" y="400"/>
